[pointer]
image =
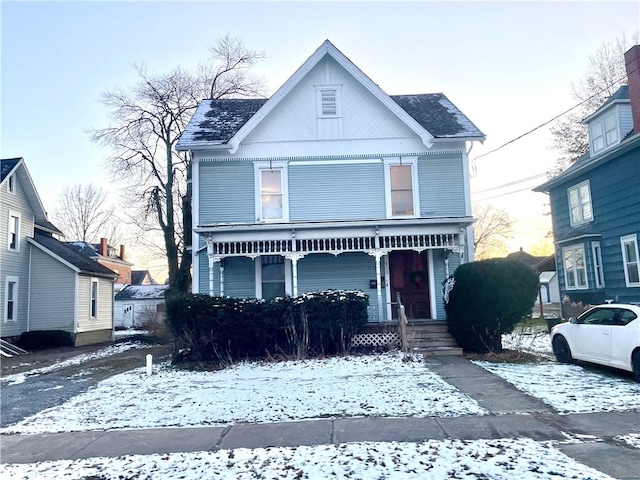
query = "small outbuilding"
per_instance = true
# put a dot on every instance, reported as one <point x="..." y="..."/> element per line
<point x="138" y="305"/>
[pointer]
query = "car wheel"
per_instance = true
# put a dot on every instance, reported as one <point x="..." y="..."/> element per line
<point x="561" y="349"/>
<point x="635" y="364"/>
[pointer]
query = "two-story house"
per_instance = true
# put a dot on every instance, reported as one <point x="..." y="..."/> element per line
<point x="331" y="184"/>
<point x="107" y="255"/>
<point x="595" y="203"/>
<point x="45" y="284"/>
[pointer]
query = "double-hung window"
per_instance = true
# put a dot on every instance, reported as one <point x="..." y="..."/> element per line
<point x="604" y="132"/>
<point x="13" y="240"/>
<point x="11" y="299"/>
<point x="402" y="186"/>
<point x="630" y="260"/>
<point x="575" y="270"/>
<point x="273" y="276"/>
<point x="580" y="207"/>
<point x="94" y="298"/>
<point x="271" y="185"/>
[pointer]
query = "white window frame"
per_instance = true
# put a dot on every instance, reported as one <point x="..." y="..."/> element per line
<point x="600" y="130"/>
<point x="93" y="301"/>
<point x="598" y="267"/>
<point x="287" y="277"/>
<point x="574" y="273"/>
<point x="283" y="168"/>
<point x="582" y="219"/>
<point x="14" y="228"/>
<point x="337" y="89"/>
<point x="11" y="184"/>
<point x="633" y="239"/>
<point x="16" y="282"/>
<point x="392" y="162"/>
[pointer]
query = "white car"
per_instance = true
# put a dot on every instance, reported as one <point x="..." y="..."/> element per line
<point x="605" y="334"/>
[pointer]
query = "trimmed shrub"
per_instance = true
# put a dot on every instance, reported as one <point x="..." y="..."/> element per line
<point x="488" y="299"/>
<point x="224" y="329"/>
<point x="43" y="339"/>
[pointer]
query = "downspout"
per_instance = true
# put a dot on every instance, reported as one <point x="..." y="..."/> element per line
<point x="29" y="292"/>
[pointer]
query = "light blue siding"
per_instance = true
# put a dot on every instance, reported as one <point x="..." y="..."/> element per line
<point x="441" y="185"/>
<point x="239" y="277"/>
<point x="227" y="193"/>
<point x="336" y="192"/>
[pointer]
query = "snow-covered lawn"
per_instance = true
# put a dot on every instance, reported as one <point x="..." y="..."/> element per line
<point x="570" y="388"/>
<point x="481" y="459"/>
<point x="377" y="385"/>
<point x="77" y="360"/>
<point x="537" y="342"/>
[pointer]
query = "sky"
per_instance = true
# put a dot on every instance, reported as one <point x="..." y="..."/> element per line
<point x="507" y="65"/>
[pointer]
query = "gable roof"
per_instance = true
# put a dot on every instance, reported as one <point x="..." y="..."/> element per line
<point x="142" y="292"/>
<point x="139" y="276"/>
<point x="225" y="123"/>
<point x="18" y="166"/>
<point x="620" y="96"/>
<point x="70" y="257"/>
<point x="6" y="167"/>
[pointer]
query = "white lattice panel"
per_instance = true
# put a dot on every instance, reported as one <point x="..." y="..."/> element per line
<point x="381" y="339"/>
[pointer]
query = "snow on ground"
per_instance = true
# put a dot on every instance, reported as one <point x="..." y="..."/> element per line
<point x="570" y="388"/>
<point x="479" y="459"/>
<point x="537" y="342"/>
<point x="77" y="360"/>
<point x="632" y="439"/>
<point x="377" y="385"/>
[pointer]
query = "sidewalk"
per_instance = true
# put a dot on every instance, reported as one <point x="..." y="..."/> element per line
<point x="513" y="414"/>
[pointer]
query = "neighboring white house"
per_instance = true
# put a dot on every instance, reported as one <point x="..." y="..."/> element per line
<point x="136" y="305"/>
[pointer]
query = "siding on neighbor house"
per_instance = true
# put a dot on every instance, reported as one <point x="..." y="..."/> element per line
<point x="15" y="264"/>
<point x="51" y="308"/>
<point x="336" y="191"/>
<point x="227" y="192"/>
<point x="626" y="120"/>
<point x="441" y="185"/>
<point x="104" y="319"/>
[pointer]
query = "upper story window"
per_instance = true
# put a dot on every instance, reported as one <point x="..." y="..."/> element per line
<point x="329" y="101"/>
<point x="401" y="181"/>
<point x="575" y="269"/>
<point x="580" y="208"/>
<point x="13" y="240"/>
<point x="11" y="299"/>
<point x="11" y="184"/>
<point x="271" y="185"/>
<point x="630" y="260"/>
<point x="604" y="132"/>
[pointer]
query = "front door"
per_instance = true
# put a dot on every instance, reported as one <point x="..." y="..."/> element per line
<point x="409" y="278"/>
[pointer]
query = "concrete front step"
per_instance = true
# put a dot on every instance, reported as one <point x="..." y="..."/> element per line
<point x="437" y="351"/>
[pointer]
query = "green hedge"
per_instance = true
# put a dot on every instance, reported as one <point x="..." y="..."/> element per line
<point x="225" y="329"/>
<point x="488" y="299"/>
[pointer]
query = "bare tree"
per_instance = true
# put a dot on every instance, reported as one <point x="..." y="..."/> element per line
<point x="84" y="213"/>
<point x="148" y="118"/>
<point x="604" y="77"/>
<point x="492" y="229"/>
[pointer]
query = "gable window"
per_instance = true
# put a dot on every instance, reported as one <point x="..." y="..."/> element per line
<point x="597" y="264"/>
<point x="630" y="260"/>
<point x="11" y="299"/>
<point x="13" y="240"/>
<point x="604" y="133"/>
<point x="271" y="183"/>
<point x="328" y="98"/>
<point x="401" y="192"/>
<point x="94" y="298"/>
<point x="11" y="184"/>
<point x="580" y="208"/>
<point x="575" y="271"/>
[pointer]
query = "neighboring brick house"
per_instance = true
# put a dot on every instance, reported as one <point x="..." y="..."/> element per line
<point x="331" y="183"/>
<point x="595" y="203"/>
<point x="106" y="255"/>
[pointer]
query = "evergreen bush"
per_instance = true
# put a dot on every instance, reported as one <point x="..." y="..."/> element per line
<point x="488" y="299"/>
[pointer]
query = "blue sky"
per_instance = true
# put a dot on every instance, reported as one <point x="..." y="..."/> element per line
<point x="507" y="65"/>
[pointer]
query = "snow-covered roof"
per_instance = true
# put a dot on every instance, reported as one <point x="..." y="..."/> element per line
<point x="142" y="292"/>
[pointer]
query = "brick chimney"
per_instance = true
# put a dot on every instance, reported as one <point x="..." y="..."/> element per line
<point x="632" y="62"/>
<point x="121" y="252"/>
<point x="103" y="247"/>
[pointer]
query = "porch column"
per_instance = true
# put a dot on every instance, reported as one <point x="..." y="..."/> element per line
<point x="294" y="257"/>
<point x="378" y="255"/>
<point x="221" y="278"/>
<point x="213" y="258"/>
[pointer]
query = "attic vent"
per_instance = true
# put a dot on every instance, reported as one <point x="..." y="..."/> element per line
<point x="328" y="99"/>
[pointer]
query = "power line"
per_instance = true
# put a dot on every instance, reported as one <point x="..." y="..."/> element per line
<point x="515" y="182"/>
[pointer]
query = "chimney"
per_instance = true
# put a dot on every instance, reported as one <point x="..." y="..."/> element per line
<point x="632" y="62"/>
<point x="121" y="252"/>
<point x="103" y="247"/>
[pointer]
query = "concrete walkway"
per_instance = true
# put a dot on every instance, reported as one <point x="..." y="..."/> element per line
<point x="586" y="437"/>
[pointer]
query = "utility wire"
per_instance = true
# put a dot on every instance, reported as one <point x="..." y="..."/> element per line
<point x="515" y="182"/>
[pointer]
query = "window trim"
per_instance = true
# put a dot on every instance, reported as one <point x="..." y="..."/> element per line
<point x="15" y="299"/>
<point x="577" y="187"/>
<point x="93" y="301"/>
<point x="258" y="168"/>
<point x="13" y="214"/>
<point x="598" y="266"/>
<point x="287" y="277"/>
<point x="338" y="100"/>
<point x="602" y="124"/>
<point x="11" y="184"/>
<point x="393" y="162"/>
<point x="573" y="272"/>
<point x="633" y="238"/>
